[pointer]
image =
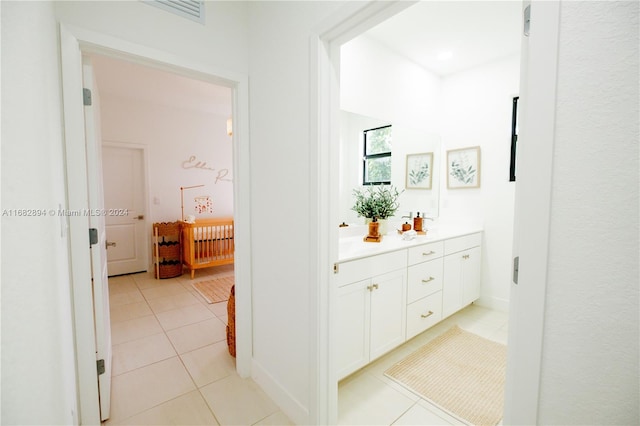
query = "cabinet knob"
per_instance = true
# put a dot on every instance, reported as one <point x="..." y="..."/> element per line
<point x="428" y="280"/>
<point x="372" y="287"/>
<point x="426" y="315"/>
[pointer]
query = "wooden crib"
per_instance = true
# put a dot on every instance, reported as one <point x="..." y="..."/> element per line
<point x="207" y="242"/>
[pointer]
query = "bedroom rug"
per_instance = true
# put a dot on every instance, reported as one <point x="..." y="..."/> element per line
<point x="215" y="290"/>
<point x="460" y="372"/>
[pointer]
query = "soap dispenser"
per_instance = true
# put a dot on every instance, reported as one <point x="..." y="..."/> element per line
<point x="417" y="223"/>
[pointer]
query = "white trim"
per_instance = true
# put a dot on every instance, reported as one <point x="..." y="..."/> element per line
<point x="532" y="213"/>
<point x="353" y="19"/>
<point x="295" y="410"/>
<point x="79" y="253"/>
<point x="93" y="42"/>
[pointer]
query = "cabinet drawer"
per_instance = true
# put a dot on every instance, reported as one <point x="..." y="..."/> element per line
<point x="424" y="279"/>
<point x="423" y="314"/>
<point x="425" y="252"/>
<point x="367" y="267"/>
<point x="455" y="245"/>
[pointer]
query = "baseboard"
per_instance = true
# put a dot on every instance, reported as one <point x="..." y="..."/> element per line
<point x="495" y="303"/>
<point x="290" y="406"/>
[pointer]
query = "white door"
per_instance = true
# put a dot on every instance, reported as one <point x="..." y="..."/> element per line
<point x="99" y="278"/>
<point x="124" y="203"/>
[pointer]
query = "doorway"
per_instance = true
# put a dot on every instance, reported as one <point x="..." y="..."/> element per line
<point x="94" y="43"/>
<point x="413" y="88"/>
<point x="538" y="71"/>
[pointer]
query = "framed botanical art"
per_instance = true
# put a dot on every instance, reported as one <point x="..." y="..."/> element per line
<point x="419" y="171"/>
<point x="463" y="168"/>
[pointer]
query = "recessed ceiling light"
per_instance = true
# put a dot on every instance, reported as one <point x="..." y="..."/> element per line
<point x="445" y="55"/>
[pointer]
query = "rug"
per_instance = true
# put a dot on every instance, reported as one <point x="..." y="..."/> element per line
<point x="460" y="372"/>
<point x="216" y="290"/>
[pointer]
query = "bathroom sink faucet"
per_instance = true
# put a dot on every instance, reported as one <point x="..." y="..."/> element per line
<point x="409" y="217"/>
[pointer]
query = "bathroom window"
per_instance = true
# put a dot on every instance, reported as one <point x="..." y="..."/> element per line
<point x="377" y="156"/>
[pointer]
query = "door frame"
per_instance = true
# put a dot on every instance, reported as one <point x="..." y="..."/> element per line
<point x="145" y="163"/>
<point x="325" y="45"/>
<point x="74" y="41"/>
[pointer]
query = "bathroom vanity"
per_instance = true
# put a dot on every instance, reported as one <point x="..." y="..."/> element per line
<point x="389" y="292"/>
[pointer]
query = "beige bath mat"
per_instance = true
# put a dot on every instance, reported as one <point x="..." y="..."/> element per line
<point x="460" y="372"/>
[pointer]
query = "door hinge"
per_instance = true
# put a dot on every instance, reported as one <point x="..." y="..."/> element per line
<point x="516" y="267"/>
<point x="86" y="97"/>
<point x="527" y="20"/>
<point x="100" y="366"/>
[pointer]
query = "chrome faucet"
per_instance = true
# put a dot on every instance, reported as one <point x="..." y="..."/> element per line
<point x="409" y="217"/>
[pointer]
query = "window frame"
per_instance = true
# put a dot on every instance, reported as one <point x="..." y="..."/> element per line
<point x="367" y="157"/>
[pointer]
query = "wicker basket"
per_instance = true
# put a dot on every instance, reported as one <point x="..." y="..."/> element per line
<point x="171" y="251"/>
<point x="231" y="321"/>
<point x="166" y="229"/>
<point x="169" y="271"/>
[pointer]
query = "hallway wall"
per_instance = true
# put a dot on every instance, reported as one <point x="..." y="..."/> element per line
<point x="38" y="363"/>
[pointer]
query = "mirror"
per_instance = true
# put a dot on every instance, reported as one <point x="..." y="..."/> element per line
<point x="406" y="140"/>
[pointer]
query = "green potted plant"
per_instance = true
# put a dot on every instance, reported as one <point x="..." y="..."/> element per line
<point x="379" y="201"/>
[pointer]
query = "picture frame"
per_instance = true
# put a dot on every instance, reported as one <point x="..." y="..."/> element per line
<point x="419" y="171"/>
<point x="463" y="168"/>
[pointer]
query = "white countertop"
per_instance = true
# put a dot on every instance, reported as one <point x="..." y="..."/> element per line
<point x="351" y="244"/>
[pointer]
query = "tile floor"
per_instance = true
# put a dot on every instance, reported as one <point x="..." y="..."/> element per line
<point x="171" y="365"/>
<point x="367" y="397"/>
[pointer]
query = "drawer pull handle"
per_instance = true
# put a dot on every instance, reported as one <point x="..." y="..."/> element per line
<point x="428" y="280"/>
<point x="429" y="253"/>
<point x="427" y="315"/>
<point x="372" y="287"/>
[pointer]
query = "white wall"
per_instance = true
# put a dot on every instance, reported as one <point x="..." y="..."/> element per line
<point x="378" y="83"/>
<point x="477" y="109"/>
<point x="172" y="137"/>
<point x="590" y="346"/>
<point x="222" y="41"/>
<point x="280" y="199"/>
<point x="38" y="365"/>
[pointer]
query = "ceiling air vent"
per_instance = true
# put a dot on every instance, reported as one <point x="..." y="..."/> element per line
<point x="190" y="9"/>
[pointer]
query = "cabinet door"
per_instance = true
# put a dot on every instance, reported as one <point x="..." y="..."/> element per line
<point x="471" y="276"/>
<point x="352" y="323"/>
<point x="452" y="287"/>
<point x="461" y="280"/>
<point x="388" y="312"/>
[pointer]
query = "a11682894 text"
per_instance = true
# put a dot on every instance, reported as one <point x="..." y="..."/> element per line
<point x="63" y="212"/>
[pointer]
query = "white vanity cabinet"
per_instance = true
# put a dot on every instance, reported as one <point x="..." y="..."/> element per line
<point x="370" y="312"/>
<point x="387" y="298"/>
<point x="462" y="263"/>
<point x="424" y="287"/>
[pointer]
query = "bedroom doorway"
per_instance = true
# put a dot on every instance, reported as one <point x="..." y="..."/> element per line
<point x="75" y="43"/>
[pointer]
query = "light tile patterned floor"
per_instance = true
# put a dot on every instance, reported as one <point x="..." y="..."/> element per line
<point x="171" y="365"/>
<point x="367" y="397"/>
